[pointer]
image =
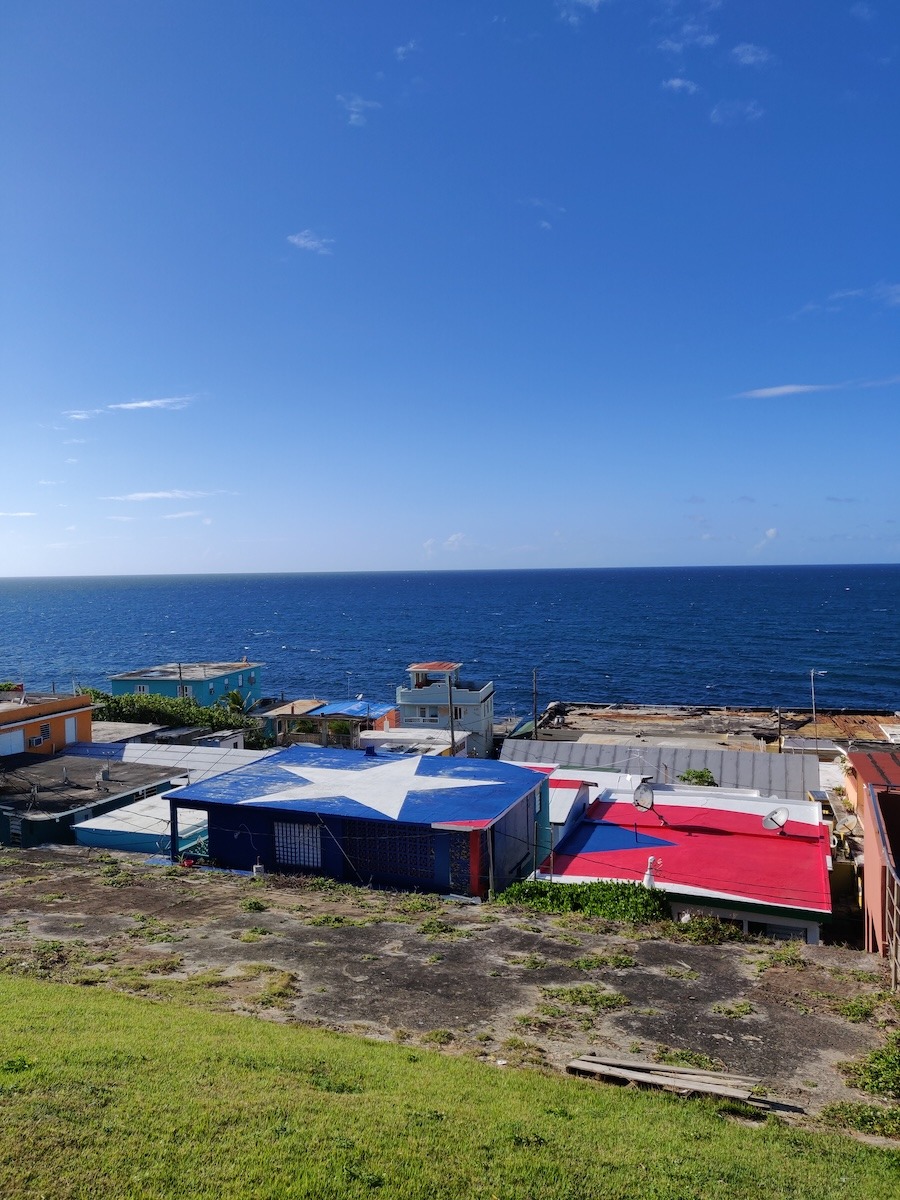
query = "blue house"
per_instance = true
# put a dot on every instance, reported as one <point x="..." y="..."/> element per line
<point x="428" y="823"/>
<point x="204" y="683"/>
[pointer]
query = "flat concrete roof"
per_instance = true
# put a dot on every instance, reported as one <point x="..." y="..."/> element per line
<point x="121" y="731"/>
<point x="189" y="671"/>
<point x="65" y="782"/>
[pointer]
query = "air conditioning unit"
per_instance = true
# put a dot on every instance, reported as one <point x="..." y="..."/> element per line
<point x="35" y="741"/>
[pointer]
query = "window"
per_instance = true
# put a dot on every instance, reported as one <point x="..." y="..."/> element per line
<point x="240" y="680"/>
<point x="45" y="731"/>
<point x="211" y="689"/>
<point x="141" y="689"/>
<point x="185" y="689"/>
<point x="298" y="844"/>
<point x="457" y="713"/>
<point x="252" y="677"/>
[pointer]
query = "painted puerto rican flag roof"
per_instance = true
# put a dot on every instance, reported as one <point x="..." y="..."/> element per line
<point x="714" y="848"/>
<point x="421" y="789"/>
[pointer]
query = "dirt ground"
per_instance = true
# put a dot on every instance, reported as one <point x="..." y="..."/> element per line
<point x="503" y="985"/>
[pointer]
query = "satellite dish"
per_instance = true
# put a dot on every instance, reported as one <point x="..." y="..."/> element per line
<point x="776" y="819"/>
<point x="643" y="797"/>
<point x="845" y="824"/>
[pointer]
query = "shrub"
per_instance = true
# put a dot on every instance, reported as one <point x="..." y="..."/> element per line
<point x="613" y="899"/>
<point x="702" y="778"/>
<point x="879" y="1071"/>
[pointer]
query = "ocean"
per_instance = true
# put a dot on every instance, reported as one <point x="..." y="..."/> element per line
<point x="702" y="636"/>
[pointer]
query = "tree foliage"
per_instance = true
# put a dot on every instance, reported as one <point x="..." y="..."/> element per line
<point x="702" y="778"/>
<point x="166" y="710"/>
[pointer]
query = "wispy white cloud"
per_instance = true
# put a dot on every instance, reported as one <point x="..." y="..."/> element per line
<point x="455" y="542"/>
<point x="787" y="389"/>
<point x="887" y="294"/>
<point x="686" y="86"/>
<point x="165" y="402"/>
<point x="83" y="414"/>
<point x="694" y="33"/>
<point x="881" y="295"/>
<point x="750" y="55"/>
<point x="356" y="108"/>
<point x="306" y="239"/>
<point x="71" y="460"/>
<point x="49" y="482"/>
<point x="862" y="12"/>
<point x="799" y="389"/>
<point x="572" y="11"/>
<point x="180" y="516"/>
<point x="173" y="494"/>
<point x="18" y="514"/>
<point x="734" y="112"/>
<point x="75" y="442"/>
<point x="403" y="52"/>
<point x="768" y="537"/>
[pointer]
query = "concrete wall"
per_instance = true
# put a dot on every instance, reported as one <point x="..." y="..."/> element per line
<point x="204" y="692"/>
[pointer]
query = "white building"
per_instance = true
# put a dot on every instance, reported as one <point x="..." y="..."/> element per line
<point x="434" y="688"/>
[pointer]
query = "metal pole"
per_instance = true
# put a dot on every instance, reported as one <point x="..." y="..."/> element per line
<point x="490" y="842"/>
<point x="534" y="732"/>
<point x="450" y="711"/>
<point x="812" y="688"/>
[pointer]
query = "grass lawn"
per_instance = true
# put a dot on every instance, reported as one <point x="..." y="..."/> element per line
<point x="110" y="1095"/>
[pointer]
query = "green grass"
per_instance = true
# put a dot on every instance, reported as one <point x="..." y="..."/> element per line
<point x="103" y="1094"/>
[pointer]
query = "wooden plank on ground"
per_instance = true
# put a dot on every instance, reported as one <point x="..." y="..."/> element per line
<point x="670" y="1069"/>
<point x="656" y="1079"/>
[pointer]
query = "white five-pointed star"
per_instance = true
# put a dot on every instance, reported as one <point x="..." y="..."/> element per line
<point x="383" y="788"/>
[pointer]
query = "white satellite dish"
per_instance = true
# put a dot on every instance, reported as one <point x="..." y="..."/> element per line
<point x="776" y="819"/>
<point x="643" y="797"/>
<point x="845" y="824"/>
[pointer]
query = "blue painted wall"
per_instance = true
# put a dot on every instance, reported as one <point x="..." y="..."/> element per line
<point x="204" y="692"/>
<point x="242" y="835"/>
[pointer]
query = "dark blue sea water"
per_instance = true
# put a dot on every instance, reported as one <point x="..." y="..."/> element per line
<point x="720" y="636"/>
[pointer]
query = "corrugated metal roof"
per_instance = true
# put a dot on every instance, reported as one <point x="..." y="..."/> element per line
<point x="881" y="770"/>
<point x="788" y="775"/>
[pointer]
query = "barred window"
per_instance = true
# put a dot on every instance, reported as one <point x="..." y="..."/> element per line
<point x="298" y="844"/>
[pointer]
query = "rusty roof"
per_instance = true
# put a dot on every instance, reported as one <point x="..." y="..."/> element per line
<point x="434" y="666"/>
<point x="879" y="769"/>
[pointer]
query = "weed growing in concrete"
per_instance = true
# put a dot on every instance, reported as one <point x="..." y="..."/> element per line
<point x="687" y="1058"/>
<point x="875" y="1119"/>
<point x="593" y="962"/>
<point x="740" y="1008"/>
<point x="438" y="1037"/>
<point x="879" y="1071"/>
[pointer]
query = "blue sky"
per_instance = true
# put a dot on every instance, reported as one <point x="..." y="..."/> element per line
<point x="335" y="285"/>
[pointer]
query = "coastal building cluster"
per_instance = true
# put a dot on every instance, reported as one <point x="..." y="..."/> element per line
<point x="427" y="792"/>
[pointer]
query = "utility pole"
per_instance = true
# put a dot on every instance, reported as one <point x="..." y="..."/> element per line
<point x="450" y="710"/>
<point x="534" y="732"/>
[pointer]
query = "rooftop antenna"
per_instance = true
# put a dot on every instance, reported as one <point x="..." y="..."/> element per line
<point x="776" y="819"/>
